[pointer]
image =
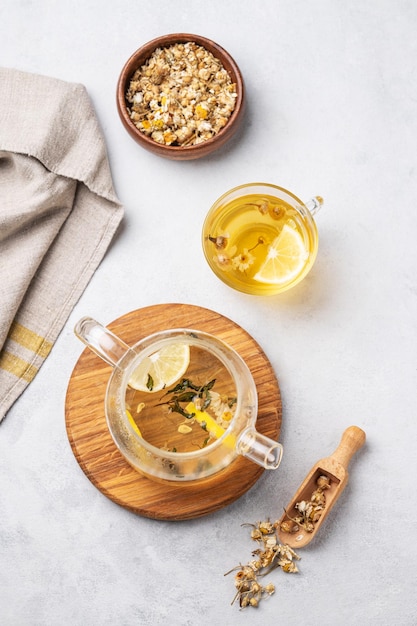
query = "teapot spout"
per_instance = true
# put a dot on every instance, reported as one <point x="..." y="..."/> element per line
<point x="259" y="448"/>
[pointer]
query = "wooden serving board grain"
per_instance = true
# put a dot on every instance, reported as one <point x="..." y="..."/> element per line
<point x="99" y="457"/>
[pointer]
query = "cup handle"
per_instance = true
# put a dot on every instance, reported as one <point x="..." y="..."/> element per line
<point x="101" y="340"/>
<point x="314" y="204"/>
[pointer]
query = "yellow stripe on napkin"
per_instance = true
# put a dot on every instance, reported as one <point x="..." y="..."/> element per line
<point x="17" y="366"/>
<point x="30" y="340"/>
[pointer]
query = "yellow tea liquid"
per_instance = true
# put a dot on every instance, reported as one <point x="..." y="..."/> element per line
<point x="162" y="417"/>
<point x="259" y="243"/>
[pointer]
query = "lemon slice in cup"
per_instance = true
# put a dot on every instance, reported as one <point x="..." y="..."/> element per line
<point x="285" y="259"/>
<point x="161" y="369"/>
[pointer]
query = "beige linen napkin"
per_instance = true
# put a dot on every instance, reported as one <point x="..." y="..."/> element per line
<point x="58" y="214"/>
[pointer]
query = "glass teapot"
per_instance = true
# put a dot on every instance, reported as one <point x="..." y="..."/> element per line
<point x="180" y="404"/>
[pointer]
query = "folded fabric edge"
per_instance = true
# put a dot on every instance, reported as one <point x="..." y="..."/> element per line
<point x="62" y="131"/>
<point x="21" y="372"/>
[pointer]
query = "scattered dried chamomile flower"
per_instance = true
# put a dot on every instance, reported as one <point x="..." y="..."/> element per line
<point x="269" y="555"/>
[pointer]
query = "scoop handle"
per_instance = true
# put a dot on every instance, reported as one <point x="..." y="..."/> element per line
<point x="352" y="440"/>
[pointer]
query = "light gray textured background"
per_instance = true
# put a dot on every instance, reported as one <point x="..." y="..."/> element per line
<point x="332" y="110"/>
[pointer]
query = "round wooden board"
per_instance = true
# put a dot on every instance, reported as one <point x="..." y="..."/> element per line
<point x="99" y="457"/>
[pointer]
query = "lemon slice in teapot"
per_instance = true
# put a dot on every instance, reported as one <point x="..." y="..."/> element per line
<point x="161" y="369"/>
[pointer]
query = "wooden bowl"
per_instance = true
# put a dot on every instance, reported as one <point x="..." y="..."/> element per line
<point x="188" y="152"/>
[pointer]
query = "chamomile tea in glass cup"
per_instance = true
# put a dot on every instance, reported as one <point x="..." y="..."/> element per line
<point x="260" y="238"/>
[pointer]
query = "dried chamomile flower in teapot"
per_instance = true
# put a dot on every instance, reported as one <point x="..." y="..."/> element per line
<point x="269" y="555"/>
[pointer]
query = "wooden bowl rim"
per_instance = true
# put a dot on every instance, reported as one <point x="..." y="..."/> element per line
<point x="140" y="56"/>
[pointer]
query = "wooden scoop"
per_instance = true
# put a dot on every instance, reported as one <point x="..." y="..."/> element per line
<point x="334" y="468"/>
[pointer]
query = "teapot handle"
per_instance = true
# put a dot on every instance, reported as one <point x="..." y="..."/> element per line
<point x="101" y="340"/>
